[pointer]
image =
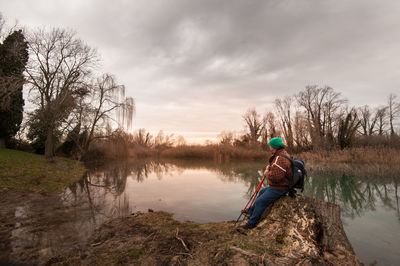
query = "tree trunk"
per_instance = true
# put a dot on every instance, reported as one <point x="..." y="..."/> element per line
<point x="2" y="142"/>
<point x="49" y="145"/>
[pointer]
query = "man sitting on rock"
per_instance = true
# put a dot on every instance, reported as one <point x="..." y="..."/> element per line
<point x="278" y="173"/>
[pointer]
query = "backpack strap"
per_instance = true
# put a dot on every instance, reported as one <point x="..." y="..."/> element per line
<point x="275" y="163"/>
<point x="287" y="157"/>
<point x="292" y="191"/>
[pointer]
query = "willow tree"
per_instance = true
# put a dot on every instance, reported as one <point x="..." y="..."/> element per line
<point x="105" y="102"/>
<point x="57" y="73"/>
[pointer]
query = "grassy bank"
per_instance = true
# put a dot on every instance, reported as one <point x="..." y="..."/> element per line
<point x="22" y="171"/>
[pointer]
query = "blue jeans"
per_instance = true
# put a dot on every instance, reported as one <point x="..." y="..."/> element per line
<point x="265" y="197"/>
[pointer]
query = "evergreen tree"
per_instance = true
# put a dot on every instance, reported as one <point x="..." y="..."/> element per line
<point x="13" y="60"/>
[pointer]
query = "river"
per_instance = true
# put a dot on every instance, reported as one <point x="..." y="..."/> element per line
<point x="207" y="191"/>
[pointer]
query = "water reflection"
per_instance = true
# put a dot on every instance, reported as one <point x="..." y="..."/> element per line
<point x="202" y="191"/>
<point x="355" y="195"/>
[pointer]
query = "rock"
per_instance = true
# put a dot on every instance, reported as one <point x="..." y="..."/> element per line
<point x="297" y="231"/>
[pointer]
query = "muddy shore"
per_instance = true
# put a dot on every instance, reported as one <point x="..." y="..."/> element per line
<point x="35" y="227"/>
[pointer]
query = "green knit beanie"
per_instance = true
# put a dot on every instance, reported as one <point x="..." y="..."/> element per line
<point x="276" y="143"/>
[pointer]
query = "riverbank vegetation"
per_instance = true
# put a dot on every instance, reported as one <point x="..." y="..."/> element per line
<point x="22" y="171"/>
<point x="124" y="145"/>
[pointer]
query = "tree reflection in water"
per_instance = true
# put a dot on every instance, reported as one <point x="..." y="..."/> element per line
<point x="102" y="194"/>
<point x="355" y="191"/>
<point x="355" y="188"/>
<point x="354" y="194"/>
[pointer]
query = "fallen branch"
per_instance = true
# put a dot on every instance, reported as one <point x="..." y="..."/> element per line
<point x="152" y="234"/>
<point x="187" y="254"/>
<point x="180" y="239"/>
<point x="248" y="253"/>
<point x="96" y="244"/>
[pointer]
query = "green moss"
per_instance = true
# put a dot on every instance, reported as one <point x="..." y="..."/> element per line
<point x="251" y="245"/>
<point x="282" y="245"/>
<point x="22" y="171"/>
<point x="128" y="256"/>
<point x="280" y="238"/>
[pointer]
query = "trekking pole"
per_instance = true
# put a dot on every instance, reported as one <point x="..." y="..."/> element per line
<point x="252" y="199"/>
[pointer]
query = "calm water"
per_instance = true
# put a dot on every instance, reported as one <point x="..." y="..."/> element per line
<point x="212" y="192"/>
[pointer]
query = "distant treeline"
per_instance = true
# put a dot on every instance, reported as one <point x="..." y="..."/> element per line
<point x="314" y="119"/>
<point x="320" y="118"/>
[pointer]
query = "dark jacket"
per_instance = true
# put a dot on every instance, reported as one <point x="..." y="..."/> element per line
<point x="280" y="171"/>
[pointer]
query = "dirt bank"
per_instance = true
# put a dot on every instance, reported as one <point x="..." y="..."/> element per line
<point x="300" y="231"/>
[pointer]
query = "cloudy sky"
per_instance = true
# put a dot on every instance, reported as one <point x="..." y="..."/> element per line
<point x="194" y="67"/>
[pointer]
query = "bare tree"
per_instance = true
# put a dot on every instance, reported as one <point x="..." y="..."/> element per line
<point x="180" y="141"/>
<point x="163" y="141"/>
<point x="142" y="138"/>
<point x="321" y="105"/>
<point x="255" y="125"/>
<point x="226" y="138"/>
<point x="302" y="138"/>
<point x="394" y="111"/>
<point x="367" y="121"/>
<point x="57" y="73"/>
<point x="380" y="116"/>
<point x="283" y="107"/>
<point x="271" y="125"/>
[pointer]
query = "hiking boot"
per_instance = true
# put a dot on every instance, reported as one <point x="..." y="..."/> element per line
<point x="246" y="226"/>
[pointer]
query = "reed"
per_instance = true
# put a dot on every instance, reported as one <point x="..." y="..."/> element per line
<point x="368" y="172"/>
<point x="221" y="153"/>
<point x="122" y="148"/>
<point x="364" y="155"/>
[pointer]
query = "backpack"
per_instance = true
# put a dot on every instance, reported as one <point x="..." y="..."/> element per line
<point x="299" y="173"/>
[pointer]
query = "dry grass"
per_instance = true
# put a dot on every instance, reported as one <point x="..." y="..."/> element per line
<point x="121" y="148"/>
<point x="221" y="153"/>
<point x="364" y="155"/>
<point x="120" y="151"/>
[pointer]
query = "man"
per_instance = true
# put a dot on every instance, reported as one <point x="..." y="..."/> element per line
<point x="278" y="173"/>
